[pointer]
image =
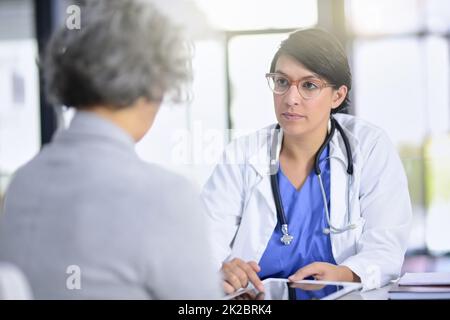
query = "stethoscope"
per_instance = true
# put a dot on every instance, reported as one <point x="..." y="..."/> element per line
<point x="276" y="145"/>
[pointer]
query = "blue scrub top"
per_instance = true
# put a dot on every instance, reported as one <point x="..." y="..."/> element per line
<point x="306" y="217"/>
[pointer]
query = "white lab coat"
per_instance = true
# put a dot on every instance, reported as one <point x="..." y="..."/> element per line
<point x="242" y="214"/>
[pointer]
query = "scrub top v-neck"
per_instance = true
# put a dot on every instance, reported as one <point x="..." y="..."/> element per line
<point x="305" y="215"/>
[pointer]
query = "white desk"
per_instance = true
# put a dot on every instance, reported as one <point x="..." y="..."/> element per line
<point x="377" y="294"/>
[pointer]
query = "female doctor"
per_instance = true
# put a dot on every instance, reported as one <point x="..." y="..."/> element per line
<point x="319" y="195"/>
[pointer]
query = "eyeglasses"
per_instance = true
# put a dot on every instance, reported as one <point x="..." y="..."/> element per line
<point x="308" y="88"/>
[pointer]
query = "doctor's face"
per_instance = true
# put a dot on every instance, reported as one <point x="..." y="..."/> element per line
<point x="305" y="112"/>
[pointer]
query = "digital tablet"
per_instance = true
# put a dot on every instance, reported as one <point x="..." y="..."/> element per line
<point x="282" y="289"/>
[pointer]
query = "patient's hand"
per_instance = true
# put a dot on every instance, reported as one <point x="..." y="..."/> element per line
<point x="238" y="273"/>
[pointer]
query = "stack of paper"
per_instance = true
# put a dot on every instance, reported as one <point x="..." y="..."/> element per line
<point x="433" y="285"/>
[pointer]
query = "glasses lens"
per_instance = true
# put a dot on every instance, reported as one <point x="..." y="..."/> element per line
<point x="278" y="84"/>
<point x="310" y="88"/>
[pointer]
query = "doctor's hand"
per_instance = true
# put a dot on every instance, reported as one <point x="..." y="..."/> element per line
<point x="326" y="272"/>
<point x="238" y="273"/>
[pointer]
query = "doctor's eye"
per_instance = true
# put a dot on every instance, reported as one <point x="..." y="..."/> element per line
<point x="310" y="85"/>
<point x="281" y="82"/>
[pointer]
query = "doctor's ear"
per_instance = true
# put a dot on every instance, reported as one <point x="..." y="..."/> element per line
<point x="339" y="96"/>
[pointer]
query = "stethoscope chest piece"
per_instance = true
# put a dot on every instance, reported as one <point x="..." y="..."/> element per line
<point x="286" y="238"/>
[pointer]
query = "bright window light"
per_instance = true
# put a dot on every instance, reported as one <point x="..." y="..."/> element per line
<point x="389" y="78"/>
<point x="259" y="14"/>
<point x="438" y="15"/>
<point x="437" y="164"/>
<point x="252" y="101"/>
<point x="19" y="111"/>
<point x="384" y="16"/>
<point x="438" y="84"/>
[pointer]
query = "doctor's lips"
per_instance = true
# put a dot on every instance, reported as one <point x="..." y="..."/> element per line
<point x="292" y="116"/>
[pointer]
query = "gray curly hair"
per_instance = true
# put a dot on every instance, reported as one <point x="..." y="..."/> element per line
<point x="124" y="50"/>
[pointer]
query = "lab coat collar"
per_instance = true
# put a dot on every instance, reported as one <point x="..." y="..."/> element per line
<point x="260" y="161"/>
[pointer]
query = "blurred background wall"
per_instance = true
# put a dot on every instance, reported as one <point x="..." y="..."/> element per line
<point x="399" y="53"/>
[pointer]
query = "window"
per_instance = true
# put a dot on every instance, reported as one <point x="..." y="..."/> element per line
<point x="189" y="138"/>
<point x="368" y="17"/>
<point x="251" y="100"/>
<point x="255" y="30"/>
<point x="259" y="14"/>
<point x="19" y="88"/>
<point x="401" y="83"/>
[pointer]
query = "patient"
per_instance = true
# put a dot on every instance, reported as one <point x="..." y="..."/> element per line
<point x="86" y="218"/>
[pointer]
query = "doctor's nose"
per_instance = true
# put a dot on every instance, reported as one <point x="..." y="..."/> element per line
<point x="292" y="97"/>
